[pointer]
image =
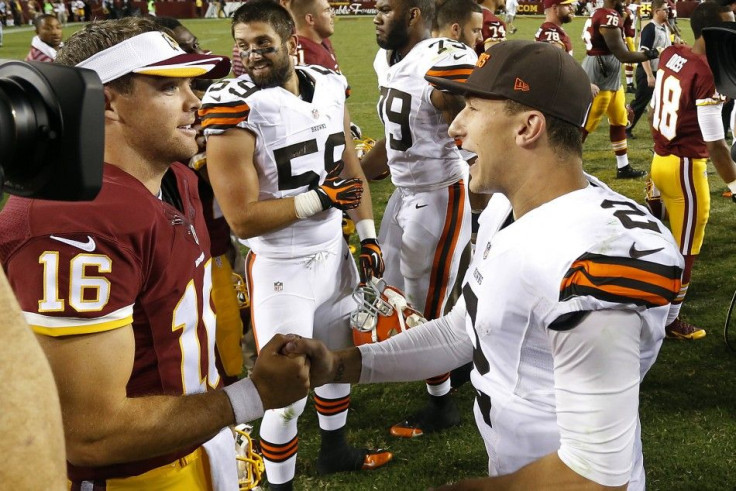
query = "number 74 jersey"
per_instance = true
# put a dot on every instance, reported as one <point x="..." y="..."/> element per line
<point x="420" y="152"/>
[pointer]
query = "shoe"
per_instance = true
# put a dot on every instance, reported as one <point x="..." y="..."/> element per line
<point x="630" y="135"/>
<point x="352" y="459"/>
<point x="629" y="172"/>
<point x="434" y="417"/>
<point x="680" y="329"/>
<point x="630" y="89"/>
<point x="727" y="194"/>
<point x="513" y="31"/>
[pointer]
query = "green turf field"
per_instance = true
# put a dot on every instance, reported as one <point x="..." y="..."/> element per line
<point x="688" y="405"/>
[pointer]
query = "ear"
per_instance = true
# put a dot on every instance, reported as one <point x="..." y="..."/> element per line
<point x="111" y="98"/>
<point x="532" y="126"/>
<point x="309" y="18"/>
<point x="414" y="15"/>
<point x="291" y="44"/>
<point x="456" y="30"/>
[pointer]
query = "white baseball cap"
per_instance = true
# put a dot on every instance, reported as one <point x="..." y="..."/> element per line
<point x="154" y="53"/>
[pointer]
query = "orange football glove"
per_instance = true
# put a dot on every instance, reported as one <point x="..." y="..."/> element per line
<point x="336" y="192"/>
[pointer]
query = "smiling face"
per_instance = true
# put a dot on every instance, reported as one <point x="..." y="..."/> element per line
<point x="271" y="68"/>
<point x="170" y="107"/>
<point x="392" y="24"/>
<point x="49" y="31"/>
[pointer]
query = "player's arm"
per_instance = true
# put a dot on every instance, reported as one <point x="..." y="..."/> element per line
<point x="647" y="41"/>
<point x="32" y="428"/>
<point x="103" y="426"/>
<point x="232" y="173"/>
<point x="599" y="372"/>
<point x="375" y="162"/>
<point x="353" y="169"/>
<point x="711" y="127"/>
<point x="449" y="104"/>
<point x="617" y="46"/>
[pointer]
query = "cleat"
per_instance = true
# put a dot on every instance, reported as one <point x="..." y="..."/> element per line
<point x="352" y="459"/>
<point x="680" y="329"/>
<point x="630" y="135"/>
<point x="629" y="172"/>
<point x="630" y="89"/>
<point x="432" y="418"/>
<point x="727" y="193"/>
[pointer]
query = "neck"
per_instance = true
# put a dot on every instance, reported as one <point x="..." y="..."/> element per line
<point x="415" y="38"/>
<point x="699" y="46"/>
<point x="147" y="172"/>
<point x="553" y="19"/>
<point x="309" y="33"/>
<point x="292" y="83"/>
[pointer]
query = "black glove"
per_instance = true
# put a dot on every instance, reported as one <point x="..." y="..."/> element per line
<point x="371" y="260"/>
<point x="651" y="53"/>
<point x="343" y="194"/>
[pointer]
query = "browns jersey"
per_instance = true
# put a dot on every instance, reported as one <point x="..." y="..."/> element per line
<point x="550" y="32"/>
<point x="684" y="82"/>
<point x="494" y="29"/>
<point x="310" y="53"/>
<point x="125" y="258"/>
<point x="420" y="152"/>
<point x="595" y="44"/>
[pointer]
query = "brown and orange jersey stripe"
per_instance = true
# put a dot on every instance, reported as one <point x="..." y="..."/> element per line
<point x="621" y="280"/>
<point x="458" y="73"/>
<point x="223" y="116"/>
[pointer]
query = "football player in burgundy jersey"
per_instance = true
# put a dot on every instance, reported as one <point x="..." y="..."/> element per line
<point x="556" y="13"/>
<point x="605" y="51"/>
<point x="47" y="39"/>
<point x="277" y="143"/>
<point x="687" y="129"/>
<point x="315" y="23"/>
<point x="494" y="29"/>
<point x="117" y="290"/>
<point x="426" y="224"/>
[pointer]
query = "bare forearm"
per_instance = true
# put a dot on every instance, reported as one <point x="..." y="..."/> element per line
<point x="721" y="157"/>
<point x="262" y="217"/>
<point x="375" y="162"/>
<point x="149" y="426"/>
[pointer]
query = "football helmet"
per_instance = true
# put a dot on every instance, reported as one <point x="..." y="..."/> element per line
<point x="382" y="312"/>
<point x="249" y="462"/>
<point x="363" y="146"/>
<point x="241" y="291"/>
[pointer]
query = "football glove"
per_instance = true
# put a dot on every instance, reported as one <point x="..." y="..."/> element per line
<point x="370" y="260"/>
<point x="651" y="53"/>
<point x="336" y="192"/>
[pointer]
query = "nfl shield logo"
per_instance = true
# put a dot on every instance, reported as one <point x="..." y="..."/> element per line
<point x="315" y="114"/>
<point x="488" y="249"/>
<point x="278" y="286"/>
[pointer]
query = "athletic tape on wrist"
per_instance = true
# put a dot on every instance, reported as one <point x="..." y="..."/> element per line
<point x="307" y="204"/>
<point x="366" y="229"/>
<point x="245" y="400"/>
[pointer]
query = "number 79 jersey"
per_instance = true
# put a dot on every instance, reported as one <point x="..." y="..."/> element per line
<point x="420" y="152"/>
<point x="297" y="143"/>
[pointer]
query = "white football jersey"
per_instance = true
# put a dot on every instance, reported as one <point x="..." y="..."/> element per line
<point x="297" y="143"/>
<point x="421" y="154"/>
<point x="588" y="250"/>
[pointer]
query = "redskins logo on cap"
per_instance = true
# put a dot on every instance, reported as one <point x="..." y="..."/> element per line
<point x="172" y="42"/>
<point x="482" y="59"/>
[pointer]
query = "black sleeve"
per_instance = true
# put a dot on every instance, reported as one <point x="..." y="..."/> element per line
<point x="647" y="36"/>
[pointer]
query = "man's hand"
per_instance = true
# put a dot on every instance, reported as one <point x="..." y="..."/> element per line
<point x="336" y="192"/>
<point x="281" y="376"/>
<point x="371" y="260"/>
<point x="651" y="53"/>
<point x="325" y="366"/>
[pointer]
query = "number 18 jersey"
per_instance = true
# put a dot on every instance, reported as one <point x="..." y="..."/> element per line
<point x="420" y="152"/>
<point x="297" y="143"/>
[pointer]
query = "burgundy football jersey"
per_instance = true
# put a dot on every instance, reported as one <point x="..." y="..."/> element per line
<point x="126" y="257"/>
<point x="684" y="82"/>
<point x="493" y="28"/>
<point x="552" y="33"/>
<point x="310" y="53"/>
<point x="36" y="54"/>
<point x="595" y="44"/>
<point x="628" y="27"/>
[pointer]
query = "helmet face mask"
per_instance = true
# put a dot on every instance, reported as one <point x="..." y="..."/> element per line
<point x="249" y="462"/>
<point x="382" y="312"/>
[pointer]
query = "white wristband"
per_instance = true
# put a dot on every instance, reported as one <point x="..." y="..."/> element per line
<point x="366" y="229"/>
<point x="307" y="204"/>
<point x="245" y="400"/>
<point x="732" y="186"/>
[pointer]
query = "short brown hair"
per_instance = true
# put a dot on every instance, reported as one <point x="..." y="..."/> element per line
<point x="564" y="138"/>
<point x="98" y="36"/>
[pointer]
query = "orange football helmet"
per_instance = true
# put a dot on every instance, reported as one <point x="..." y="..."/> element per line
<point x="250" y="463"/>
<point x="382" y="312"/>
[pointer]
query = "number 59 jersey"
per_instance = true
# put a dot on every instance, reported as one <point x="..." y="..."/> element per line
<point x="297" y="143"/>
<point x="420" y="152"/>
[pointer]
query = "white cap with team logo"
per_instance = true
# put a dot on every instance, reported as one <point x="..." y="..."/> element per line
<point x="154" y="53"/>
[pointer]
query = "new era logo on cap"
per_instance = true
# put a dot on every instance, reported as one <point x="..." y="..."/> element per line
<point x="519" y="84"/>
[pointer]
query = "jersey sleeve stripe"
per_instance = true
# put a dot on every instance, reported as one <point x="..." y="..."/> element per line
<point x="457" y="72"/>
<point x="621" y="280"/>
<point x="69" y="326"/>
<point x="225" y="116"/>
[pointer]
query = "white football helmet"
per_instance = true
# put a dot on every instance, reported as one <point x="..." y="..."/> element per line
<point x="382" y="312"/>
<point x="250" y="463"/>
